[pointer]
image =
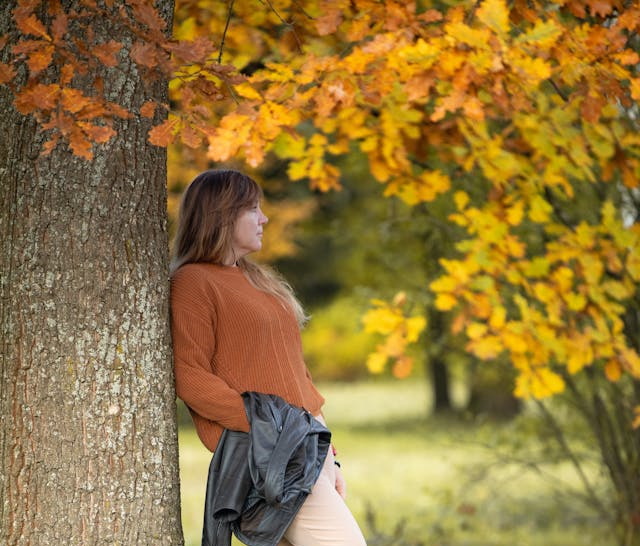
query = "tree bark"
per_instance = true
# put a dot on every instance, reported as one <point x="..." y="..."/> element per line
<point x="88" y="437"/>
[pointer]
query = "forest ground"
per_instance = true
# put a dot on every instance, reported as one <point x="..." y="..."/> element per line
<point x="419" y="480"/>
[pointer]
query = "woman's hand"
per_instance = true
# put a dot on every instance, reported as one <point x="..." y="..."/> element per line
<point x="341" y="484"/>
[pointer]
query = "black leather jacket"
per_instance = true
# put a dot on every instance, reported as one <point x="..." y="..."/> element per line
<point x="258" y="480"/>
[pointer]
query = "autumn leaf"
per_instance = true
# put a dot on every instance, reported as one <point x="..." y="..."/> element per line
<point x="80" y="144"/>
<point x="97" y="133"/>
<point x="495" y="15"/>
<point x="148" y="109"/>
<point x="193" y="51"/>
<point x="145" y="54"/>
<point x="37" y="97"/>
<point x="146" y="13"/>
<point x="31" y="25"/>
<point x="190" y="137"/>
<point x="60" y="26"/>
<point x="164" y="134"/>
<point x="107" y="52"/>
<point x="7" y="73"/>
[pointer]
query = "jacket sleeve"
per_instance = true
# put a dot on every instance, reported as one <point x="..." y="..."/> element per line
<point x="193" y="317"/>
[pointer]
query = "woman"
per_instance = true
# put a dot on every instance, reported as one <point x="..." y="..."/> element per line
<point x="236" y="328"/>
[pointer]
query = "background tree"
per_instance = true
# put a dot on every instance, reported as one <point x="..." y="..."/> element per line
<point x="523" y="117"/>
<point x="88" y="446"/>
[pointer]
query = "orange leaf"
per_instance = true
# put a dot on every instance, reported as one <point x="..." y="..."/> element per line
<point x="190" y="137"/>
<point x="107" y="52"/>
<point x="613" y="370"/>
<point x="49" y="145"/>
<point x="329" y="21"/>
<point x="148" y="109"/>
<point x="145" y="54"/>
<point x="97" y="133"/>
<point x="66" y="74"/>
<point x="193" y="51"/>
<point x="74" y="100"/>
<point x="600" y="7"/>
<point x="7" y="73"/>
<point x="60" y="26"/>
<point x="163" y="134"/>
<point x="33" y="26"/>
<point x="38" y="97"/>
<point x="80" y="144"/>
<point x="41" y="58"/>
<point x="145" y="13"/>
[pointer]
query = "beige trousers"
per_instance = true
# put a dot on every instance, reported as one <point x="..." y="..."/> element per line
<point x="324" y="519"/>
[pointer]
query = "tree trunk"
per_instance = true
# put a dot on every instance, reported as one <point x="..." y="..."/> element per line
<point x="437" y="367"/>
<point x="440" y="380"/>
<point x="88" y="437"/>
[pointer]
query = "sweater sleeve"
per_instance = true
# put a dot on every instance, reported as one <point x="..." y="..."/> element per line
<point x="193" y="318"/>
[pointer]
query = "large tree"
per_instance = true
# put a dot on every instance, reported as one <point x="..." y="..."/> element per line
<point x="88" y="444"/>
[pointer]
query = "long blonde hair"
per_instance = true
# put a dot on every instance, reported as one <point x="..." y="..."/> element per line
<point x="208" y="211"/>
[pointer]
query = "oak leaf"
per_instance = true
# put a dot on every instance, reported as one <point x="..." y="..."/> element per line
<point x="7" y="73"/>
<point x="145" y="54"/>
<point x="32" y="26"/>
<point x="107" y="52"/>
<point x="164" y="134"/>
<point x="495" y="15"/>
<point x="39" y="96"/>
<point x="97" y="133"/>
<point x="148" y="109"/>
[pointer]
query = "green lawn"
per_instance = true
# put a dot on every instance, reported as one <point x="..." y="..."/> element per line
<point x="427" y="481"/>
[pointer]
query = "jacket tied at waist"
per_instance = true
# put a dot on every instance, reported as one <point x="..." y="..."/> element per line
<point x="258" y="481"/>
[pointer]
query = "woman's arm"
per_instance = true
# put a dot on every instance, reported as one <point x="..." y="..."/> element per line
<point x="193" y="318"/>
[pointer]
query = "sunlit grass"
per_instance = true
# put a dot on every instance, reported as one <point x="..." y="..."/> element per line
<point x="450" y="482"/>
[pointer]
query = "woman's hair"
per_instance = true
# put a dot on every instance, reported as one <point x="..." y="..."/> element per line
<point x="208" y="211"/>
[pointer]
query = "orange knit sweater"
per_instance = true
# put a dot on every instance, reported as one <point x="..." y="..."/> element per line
<point x="229" y="337"/>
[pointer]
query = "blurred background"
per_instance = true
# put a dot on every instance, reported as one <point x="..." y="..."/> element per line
<point x="436" y="453"/>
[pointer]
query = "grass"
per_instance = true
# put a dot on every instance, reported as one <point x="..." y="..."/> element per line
<point x="415" y="481"/>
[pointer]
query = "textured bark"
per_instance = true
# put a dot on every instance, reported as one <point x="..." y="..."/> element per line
<point x="88" y="443"/>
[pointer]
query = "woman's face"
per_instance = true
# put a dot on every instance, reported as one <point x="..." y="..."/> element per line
<point x="247" y="234"/>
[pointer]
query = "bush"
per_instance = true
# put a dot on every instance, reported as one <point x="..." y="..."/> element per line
<point x="335" y="345"/>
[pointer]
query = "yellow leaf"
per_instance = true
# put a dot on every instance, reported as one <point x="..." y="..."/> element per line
<point x="247" y="91"/>
<point x="494" y="14"/>
<point x="382" y="321"/>
<point x="575" y="302"/>
<point x="485" y="348"/>
<point x="515" y="213"/>
<point x="478" y="38"/>
<point x="476" y="330"/>
<point x="544" y="292"/>
<point x="461" y="199"/>
<point x="631" y="361"/>
<point x="545" y="382"/>
<point x="498" y="317"/>
<point x="538" y="267"/>
<point x="539" y="209"/>
<point x="444" y="284"/>
<point x="618" y="290"/>
<point x="415" y="325"/>
<point x="613" y="370"/>
<point x="543" y="34"/>
<point x="376" y="362"/>
<point x="513" y="340"/>
<point x="445" y="302"/>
